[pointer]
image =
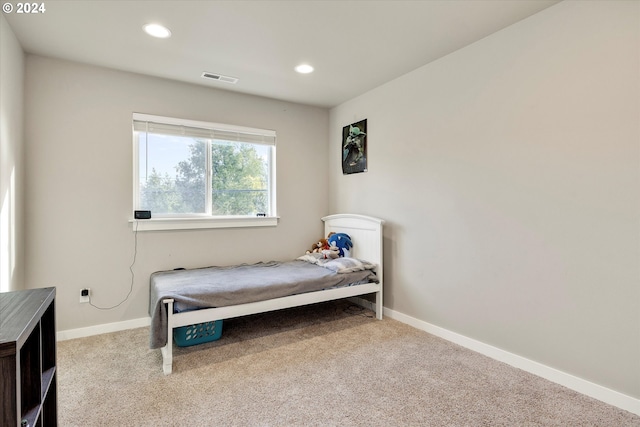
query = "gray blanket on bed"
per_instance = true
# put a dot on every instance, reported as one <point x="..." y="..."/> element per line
<point x="225" y="286"/>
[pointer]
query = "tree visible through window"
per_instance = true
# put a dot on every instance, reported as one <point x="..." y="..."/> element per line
<point x="181" y="173"/>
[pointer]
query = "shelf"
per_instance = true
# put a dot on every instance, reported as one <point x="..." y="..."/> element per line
<point x="31" y="416"/>
<point x="47" y="380"/>
<point x="28" y="358"/>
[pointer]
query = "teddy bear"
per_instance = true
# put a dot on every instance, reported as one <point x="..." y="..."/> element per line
<point x="323" y="245"/>
<point x="331" y="253"/>
<point x="319" y="246"/>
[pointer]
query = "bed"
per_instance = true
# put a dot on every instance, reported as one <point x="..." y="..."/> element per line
<point x="179" y="298"/>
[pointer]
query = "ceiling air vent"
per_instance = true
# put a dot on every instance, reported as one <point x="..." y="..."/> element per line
<point x="219" y="77"/>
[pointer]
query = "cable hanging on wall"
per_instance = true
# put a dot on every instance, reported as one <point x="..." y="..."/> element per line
<point x="133" y="262"/>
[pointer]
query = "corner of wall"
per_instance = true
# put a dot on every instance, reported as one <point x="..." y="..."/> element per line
<point x="12" y="63"/>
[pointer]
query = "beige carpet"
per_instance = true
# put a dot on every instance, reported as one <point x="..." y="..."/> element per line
<point x="327" y="365"/>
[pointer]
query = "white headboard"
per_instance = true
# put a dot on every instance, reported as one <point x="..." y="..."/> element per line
<point x="365" y="232"/>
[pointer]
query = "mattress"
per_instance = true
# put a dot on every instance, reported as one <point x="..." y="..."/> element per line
<point x="226" y="286"/>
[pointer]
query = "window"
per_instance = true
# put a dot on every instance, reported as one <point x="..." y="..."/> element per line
<point x="186" y="169"/>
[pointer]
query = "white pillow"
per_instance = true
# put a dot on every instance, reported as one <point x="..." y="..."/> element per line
<point x="346" y="265"/>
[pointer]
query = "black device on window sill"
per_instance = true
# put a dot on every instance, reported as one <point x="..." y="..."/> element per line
<point x="142" y="214"/>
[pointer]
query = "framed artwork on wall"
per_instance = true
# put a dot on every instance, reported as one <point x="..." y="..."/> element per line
<point x="354" y="148"/>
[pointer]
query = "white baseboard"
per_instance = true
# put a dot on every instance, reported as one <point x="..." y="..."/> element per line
<point x="572" y="382"/>
<point x="106" y="328"/>
<point x="102" y="329"/>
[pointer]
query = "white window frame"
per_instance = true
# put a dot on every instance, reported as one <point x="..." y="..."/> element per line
<point x="204" y="220"/>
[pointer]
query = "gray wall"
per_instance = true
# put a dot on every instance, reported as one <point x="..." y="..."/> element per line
<point x="508" y="173"/>
<point x="11" y="160"/>
<point x="79" y="184"/>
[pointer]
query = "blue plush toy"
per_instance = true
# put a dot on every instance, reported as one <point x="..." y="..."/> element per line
<point x="342" y="241"/>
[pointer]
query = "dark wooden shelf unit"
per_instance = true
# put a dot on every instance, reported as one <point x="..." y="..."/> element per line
<point x="28" y="389"/>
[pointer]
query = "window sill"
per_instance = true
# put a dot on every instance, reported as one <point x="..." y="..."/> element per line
<point x="160" y="224"/>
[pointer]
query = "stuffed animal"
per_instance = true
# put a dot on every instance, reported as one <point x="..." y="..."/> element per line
<point x="331" y="253"/>
<point x="323" y="245"/>
<point x="319" y="246"/>
<point x="342" y="241"/>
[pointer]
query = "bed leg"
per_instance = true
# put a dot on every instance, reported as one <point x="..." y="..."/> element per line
<point x="379" y="305"/>
<point x="167" y="350"/>
<point x="167" y="358"/>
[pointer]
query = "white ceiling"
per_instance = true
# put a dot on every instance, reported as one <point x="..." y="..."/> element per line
<point x="353" y="45"/>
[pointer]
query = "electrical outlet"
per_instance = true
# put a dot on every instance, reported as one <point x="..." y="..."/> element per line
<point x="84" y="295"/>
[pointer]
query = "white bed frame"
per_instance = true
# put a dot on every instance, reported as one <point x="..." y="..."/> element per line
<point x="366" y="233"/>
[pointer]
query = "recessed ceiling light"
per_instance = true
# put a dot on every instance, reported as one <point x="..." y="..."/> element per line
<point x="304" y="68"/>
<point x="157" y="30"/>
